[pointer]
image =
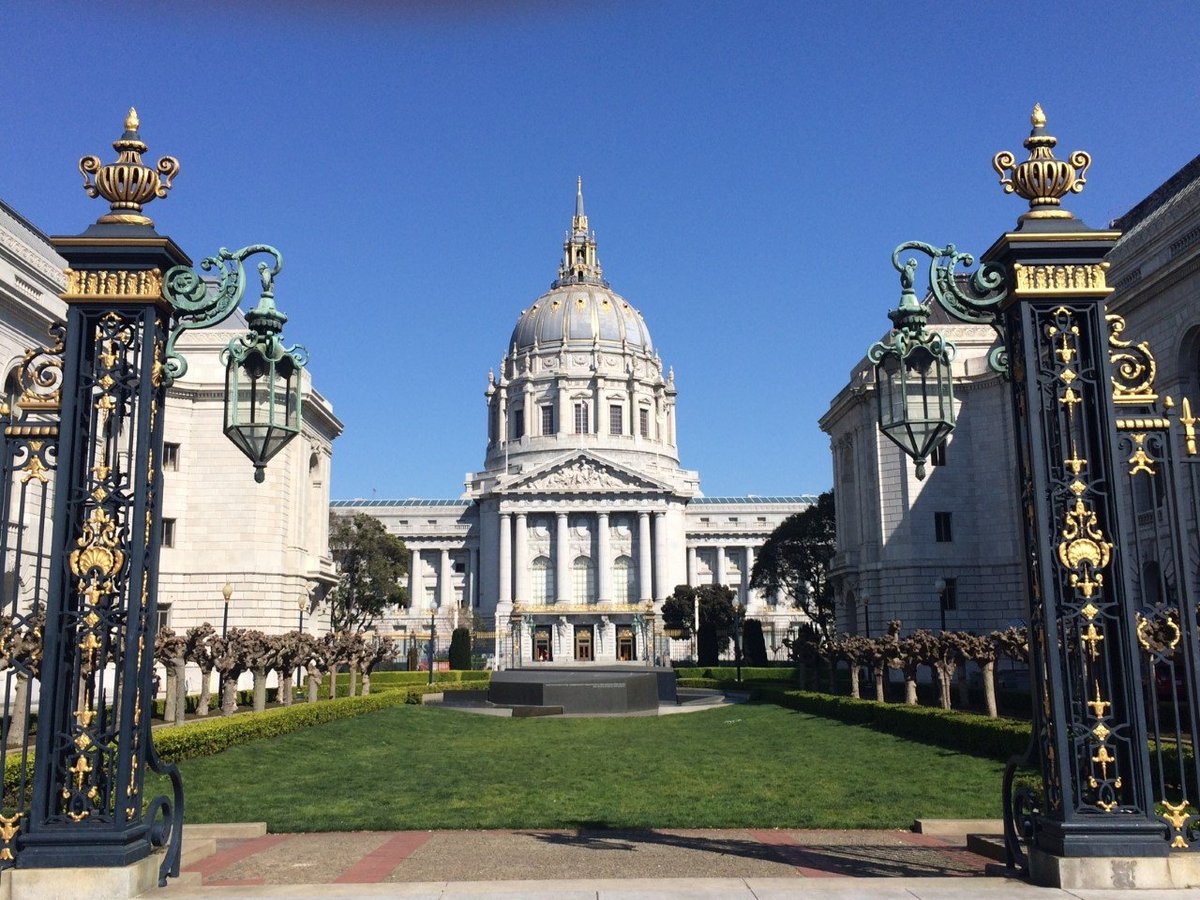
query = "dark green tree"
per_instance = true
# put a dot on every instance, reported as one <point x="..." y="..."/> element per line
<point x="460" y="648"/>
<point x="716" y="617"/>
<point x="372" y="566"/>
<point x="754" y="645"/>
<point x="795" y="560"/>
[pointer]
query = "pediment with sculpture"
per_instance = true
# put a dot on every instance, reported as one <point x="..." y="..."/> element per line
<point x="584" y="473"/>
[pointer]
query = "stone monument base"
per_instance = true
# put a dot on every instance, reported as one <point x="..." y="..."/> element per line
<point x="115" y="882"/>
<point x="581" y="691"/>
<point x="1179" y="870"/>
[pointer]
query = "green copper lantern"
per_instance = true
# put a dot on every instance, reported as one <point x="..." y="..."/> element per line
<point x="913" y="377"/>
<point x="262" y="382"/>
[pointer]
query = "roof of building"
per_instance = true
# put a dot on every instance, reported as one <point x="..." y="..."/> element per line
<point x="751" y="499"/>
<point x="1159" y="196"/>
<point x="410" y="501"/>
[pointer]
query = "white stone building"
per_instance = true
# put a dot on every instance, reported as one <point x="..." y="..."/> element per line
<point x="898" y="536"/>
<point x="582" y="512"/>
<point x="937" y="553"/>
<point x="269" y="541"/>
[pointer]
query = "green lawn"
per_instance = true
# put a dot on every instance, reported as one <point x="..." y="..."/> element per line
<point x="414" y="767"/>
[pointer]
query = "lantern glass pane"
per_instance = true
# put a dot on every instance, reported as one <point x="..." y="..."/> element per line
<point x="916" y="401"/>
<point x="261" y="405"/>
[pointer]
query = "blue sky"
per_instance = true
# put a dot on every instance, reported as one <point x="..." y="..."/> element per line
<point x="748" y="168"/>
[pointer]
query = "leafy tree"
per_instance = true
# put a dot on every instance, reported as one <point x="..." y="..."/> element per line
<point x="460" y="648"/>
<point x="716" y="617"/>
<point x="795" y="560"/>
<point x="372" y="566"/>
<point x="375" y="652"/>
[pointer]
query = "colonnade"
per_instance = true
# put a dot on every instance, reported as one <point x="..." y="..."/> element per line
<point x="444" y="593"/>
<point x="649" y="547"/>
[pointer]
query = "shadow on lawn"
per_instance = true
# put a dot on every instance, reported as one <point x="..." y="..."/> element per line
<point x="857" y="859"/>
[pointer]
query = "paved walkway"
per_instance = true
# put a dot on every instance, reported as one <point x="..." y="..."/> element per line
<point x="609" y="865"/>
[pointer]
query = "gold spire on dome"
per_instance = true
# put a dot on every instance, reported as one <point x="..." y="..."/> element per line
<point x="579" y="265"/>
<point x="1041" y="179"/>
<point x="126" y="183"/>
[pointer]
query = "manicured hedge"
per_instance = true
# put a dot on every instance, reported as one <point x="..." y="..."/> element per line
<point x="698" y="683"/>
<point x="180" y="742"/>
<point x="417" y="691"/>
<point x="729" y="673"/>
<point x="389" y="679"/>
<point x="962" y="732"/>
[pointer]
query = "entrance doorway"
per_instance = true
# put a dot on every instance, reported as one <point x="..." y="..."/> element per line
<point x="626" y="651"/>
<point x="583" y="643"/>
<point x="543" y="647"/>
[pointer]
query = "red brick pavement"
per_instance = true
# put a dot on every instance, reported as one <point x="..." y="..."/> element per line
<point x="379" y="863"/>
<point x="227" y="856"/>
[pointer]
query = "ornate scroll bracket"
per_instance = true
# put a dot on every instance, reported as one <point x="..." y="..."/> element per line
<point x="971" y="297"/>
<point x="198" y="305"/>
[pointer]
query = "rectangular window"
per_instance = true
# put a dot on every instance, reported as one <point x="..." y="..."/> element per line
<point x="581" y="417"/>
<point x="941" y="528"/>
<point x="518" y="425"/>
<point x="616" y="420"/>
<point x="644" y="422"/>
<point x="938" y="456"/>
<point x="460" y="567"/>
<point x="950" y="594"/>
<point x="164" y="617"/>
<point x="168" y="533"/>
<point x="548" y="419"/>
<point x="170" y="457"/>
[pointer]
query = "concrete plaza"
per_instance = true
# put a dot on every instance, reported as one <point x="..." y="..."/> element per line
<point x="605" y="865"/>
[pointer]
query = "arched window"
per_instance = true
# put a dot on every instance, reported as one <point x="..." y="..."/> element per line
<point x="583" y="580"/>
<point x="623" y="575"/>
<point x="543" y="582"/>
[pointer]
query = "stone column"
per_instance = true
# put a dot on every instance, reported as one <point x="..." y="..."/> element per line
<point x="505" y="594"/>
<point x="562" y="562"/>
<point x="416" y="584"/>
<point x="661" y="588"/>
<point x="471" y="589"/>
<point x="720" y="576"/>
<point x="644" y="563"/>
<point x="604" y="589"/>
<point x="691" y="566"/>
<point x="521" y="560"/>
<point x="445" y="590"/>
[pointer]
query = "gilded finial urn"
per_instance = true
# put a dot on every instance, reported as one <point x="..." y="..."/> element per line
<point x="127" y="184"/>
<point x="1041" y="179"/>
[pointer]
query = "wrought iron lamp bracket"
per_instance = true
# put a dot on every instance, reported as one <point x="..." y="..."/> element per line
<point x="971" y="297"/>
<point x="197" y="307"/>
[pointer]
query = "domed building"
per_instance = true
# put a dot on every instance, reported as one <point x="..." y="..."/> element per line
<point x="582" y="516"/>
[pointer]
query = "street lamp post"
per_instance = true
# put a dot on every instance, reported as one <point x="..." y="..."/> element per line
<point x="939" y="588"/>
<point x="227" y="594"/>
<point x="1042" y="287"/>
<point x="432" y="637"/>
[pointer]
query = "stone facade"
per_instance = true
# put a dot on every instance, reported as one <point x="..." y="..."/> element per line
<point x="582" y="517"/>
<point x="270" y="540"/>
<point x="888" y="543"/>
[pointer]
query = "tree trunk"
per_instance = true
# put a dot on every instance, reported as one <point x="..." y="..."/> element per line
<point x="854" y="679"/>
<point x="989" y="688"/>
<point x="880" y="672"/>
<point x="910" y="689"/>
<point x="229" y="696"/>
<point x="943" y="678"/>
<point x="180" y="666"/>
<point x="314" y="685"/>
<point x="171" y="697"/>
<point x="285" y="686"/>
<point x="366" y="683"/>
<point x="205" y="692"/>
<point x="17" y="722"/>
<point x="964" y="691"/>
<point x="260" y="690"/>
<point x="831" y="667"/>
<point x="333" y="680"/>
<point x="353" y="678"/>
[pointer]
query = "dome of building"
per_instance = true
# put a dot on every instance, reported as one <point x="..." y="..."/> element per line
<point x="584" y="314"/>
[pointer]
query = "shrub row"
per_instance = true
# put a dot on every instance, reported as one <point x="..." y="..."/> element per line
<point x="959" y="731"/>
<point x="729" y="673"/>
<point x="698" y="683"/>
<point x="388" y="679"/>
<point x="414" y="693"/>
<point x="181" y="742"/>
